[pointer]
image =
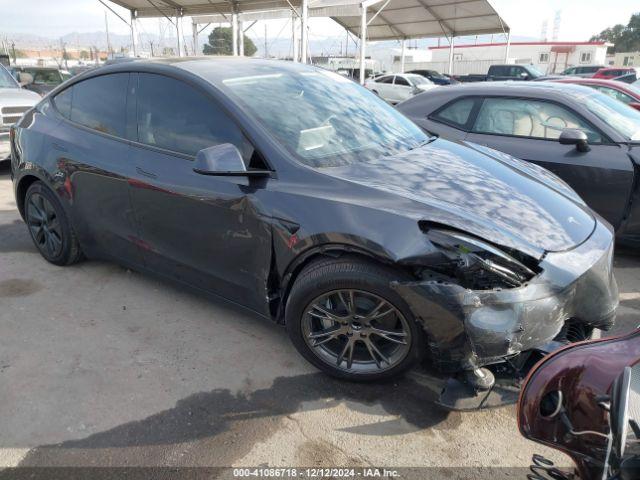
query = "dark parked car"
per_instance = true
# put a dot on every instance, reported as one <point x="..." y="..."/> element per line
<point x="44" y="79"/>
<point x="499" y="73"/>
<point x="304" y="197"/>
<point x="587" y="138"/>
<point x="435" y="77"/>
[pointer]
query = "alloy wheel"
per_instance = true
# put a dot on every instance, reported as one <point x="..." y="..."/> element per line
<point x="44" y="225"/>
<point x="356" y="331"/>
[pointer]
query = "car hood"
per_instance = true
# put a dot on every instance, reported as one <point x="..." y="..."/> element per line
<point x="496" y="199"/>
<point x="17" y="97"/>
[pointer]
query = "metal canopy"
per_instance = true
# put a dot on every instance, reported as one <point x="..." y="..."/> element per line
<point x="397" y="19"/>
<point x="159" y="8"/>
<point x="371" y="20"/>
<point x="407" y="19"/>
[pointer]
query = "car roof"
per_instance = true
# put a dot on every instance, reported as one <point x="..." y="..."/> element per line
<point x="212" y="68"/>
<point x="515" y="88"/>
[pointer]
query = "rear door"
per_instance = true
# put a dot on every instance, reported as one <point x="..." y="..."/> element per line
<point x="384" y="87"/>
<point x="199" y="229"/>
<point x="402" y="89"/>
<point x="93" y="155"/>
<point x="529" y="128"/>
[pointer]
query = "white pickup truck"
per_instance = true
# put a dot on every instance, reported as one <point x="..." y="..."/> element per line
<point x="14" y="101"/>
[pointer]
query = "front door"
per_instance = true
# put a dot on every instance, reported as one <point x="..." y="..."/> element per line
<point x="529" y="129"/>
<point x="203" y="230"/>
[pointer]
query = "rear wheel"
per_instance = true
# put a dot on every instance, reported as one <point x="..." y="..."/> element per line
<point x="49" y="226"/>
<point x="345" y="319"/>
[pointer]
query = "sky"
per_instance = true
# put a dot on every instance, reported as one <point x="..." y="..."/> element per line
<point x="53" y="18"/>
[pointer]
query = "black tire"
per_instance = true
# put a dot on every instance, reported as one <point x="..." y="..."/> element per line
<point x="63" y="249"/>
<point x="329" y="275"/>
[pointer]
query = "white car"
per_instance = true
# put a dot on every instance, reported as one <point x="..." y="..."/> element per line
<point x="395" y="88"/>
<point x="14" y="101"/>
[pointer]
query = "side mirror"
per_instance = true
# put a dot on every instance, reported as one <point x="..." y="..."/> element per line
<point x="223" y="160"/>
<point x="573" y="136"/>
<point x="25" y="79"/>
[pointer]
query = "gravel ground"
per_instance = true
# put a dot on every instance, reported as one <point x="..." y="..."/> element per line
<point x="104" y="367"/>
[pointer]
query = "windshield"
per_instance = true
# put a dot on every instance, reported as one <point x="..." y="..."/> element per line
<point x="46" y="77"/>
<point x="6" y="80"/>
<point x="323" y="118"/>
<point x="618" y="115"/>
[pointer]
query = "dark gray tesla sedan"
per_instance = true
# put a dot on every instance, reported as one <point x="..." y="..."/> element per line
<point x="587" y="138"/>
<point x="302" y="196"/>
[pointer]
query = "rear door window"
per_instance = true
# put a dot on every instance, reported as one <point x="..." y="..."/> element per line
<point x="98" y="103"/>
<point x="402" y="81"/>
<point x="62" y="102"/>
<point x="457" y="113"/>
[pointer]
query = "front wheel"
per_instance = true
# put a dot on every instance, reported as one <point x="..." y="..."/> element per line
<point x="345" y="319"/>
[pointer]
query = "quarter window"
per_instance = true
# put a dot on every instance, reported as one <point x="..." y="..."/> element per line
<point x="528" y="118"/>
<point x="456" y="113"/>
<point x="62" y="102"/>
<point x="174" y="116"/>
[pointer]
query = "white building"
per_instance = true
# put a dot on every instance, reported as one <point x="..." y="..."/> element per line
<point x="626" y="59"/>
<point x="548" y="57"/>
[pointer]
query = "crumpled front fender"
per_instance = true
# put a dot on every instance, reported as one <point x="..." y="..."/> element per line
<point x="471" y="328"/>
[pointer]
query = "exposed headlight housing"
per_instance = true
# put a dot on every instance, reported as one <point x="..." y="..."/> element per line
<point x="477" y="264"/>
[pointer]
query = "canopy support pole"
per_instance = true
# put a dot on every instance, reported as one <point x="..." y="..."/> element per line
<point x="363" y="41"/>
<point x="241" y="38"/>
<point x="305" y="31"/>
<point x="402" y="56"/>
<point x="179" y="31"/>
<point x="134" y="33"/>
<point x="451" y="46"/>
<point x="194" y="30"/>
<point x="506" y="50"/>
<point x="234" y="33"/>
<point x="296" y="41"/>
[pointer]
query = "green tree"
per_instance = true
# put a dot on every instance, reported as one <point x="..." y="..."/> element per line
<point x="624" y="38"/>
<point x="221" y="43"/>
<point x="84" y="55"/>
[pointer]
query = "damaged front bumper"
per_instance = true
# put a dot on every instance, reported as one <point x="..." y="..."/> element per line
<point x="467" y="329"/>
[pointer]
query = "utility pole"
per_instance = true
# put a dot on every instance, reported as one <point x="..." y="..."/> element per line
<point x="266" y="51"/>
<point x="106" y="25"/>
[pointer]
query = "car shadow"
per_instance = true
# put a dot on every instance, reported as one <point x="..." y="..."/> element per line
<point x="228" y="424"/>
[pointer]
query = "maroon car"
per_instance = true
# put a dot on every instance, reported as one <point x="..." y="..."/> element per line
<point x="626" y="93"/>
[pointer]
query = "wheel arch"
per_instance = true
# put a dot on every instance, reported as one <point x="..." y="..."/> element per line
<point x="21" y="189"/>
<point x="310" y="256"/>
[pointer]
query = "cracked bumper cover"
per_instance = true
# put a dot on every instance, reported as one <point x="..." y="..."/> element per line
<point x="470" y="328"/>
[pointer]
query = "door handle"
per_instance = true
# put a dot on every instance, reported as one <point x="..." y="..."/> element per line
<point x="145" y="173"/>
